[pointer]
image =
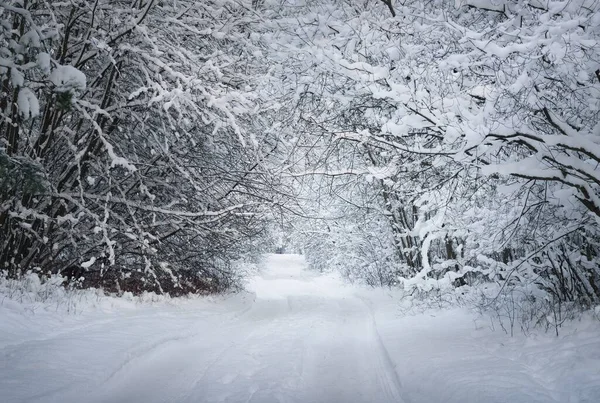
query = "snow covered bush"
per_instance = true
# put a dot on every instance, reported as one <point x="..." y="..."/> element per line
<point x="472" y="126"/>
<point x="125" y="155"/>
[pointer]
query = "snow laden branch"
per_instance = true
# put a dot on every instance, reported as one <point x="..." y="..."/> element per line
<point x="143" y="207"/>
<point x="481" y="118"/>
<point x="126" y="152"/>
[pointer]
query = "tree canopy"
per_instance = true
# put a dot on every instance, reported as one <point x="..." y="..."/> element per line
<point x="149" y="145"/>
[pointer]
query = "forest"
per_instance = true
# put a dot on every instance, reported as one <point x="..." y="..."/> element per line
<point x="450" y="149"/>
<point x="299" y="201"/>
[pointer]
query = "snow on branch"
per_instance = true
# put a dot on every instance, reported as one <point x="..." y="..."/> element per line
<point x="145" y="207"/>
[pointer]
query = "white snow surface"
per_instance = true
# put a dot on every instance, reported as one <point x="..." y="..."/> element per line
<point x="67" y="78"/>
<point x="295" y="336"/>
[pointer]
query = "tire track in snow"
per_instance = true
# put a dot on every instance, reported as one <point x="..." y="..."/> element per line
<point x="226" y="320"/>
<point x="390" y="377"/>
<point x="263" y="319"/>
<point x="142" y="352"/>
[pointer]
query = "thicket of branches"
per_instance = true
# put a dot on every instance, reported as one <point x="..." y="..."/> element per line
<point x="458" y="143"/>
<point x="429" y="144"/>
<point x="128" y="160"/>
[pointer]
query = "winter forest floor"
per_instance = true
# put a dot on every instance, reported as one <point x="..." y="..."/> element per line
<point x="293" y="337"/>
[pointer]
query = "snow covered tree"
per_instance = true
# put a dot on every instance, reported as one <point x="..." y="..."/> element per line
<point x="428" y="142"/>
<point x="475" y="126"/>
<point x="127" y="156"/>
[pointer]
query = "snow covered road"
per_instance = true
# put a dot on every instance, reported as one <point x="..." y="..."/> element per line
<point x="296" y="337"/>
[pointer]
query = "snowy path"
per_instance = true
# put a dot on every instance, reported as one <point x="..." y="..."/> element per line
<point x="294" y="344"/>
<point x="299" y="338"/>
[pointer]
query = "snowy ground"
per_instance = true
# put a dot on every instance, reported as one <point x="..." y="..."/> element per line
<point x="294" y="337"/>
